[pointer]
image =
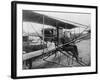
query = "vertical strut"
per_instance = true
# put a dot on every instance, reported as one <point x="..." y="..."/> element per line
<point x="43" y="34"/>
<point x="57" y="34"/>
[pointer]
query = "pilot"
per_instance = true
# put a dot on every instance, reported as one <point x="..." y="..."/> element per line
<point x="69" y="47"/>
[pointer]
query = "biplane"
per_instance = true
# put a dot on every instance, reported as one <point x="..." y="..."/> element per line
<point x="51" y="36"/>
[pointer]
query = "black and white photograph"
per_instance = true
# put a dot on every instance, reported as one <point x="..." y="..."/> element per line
<point x="53" y="39"/>
<point x="56" y="39"/>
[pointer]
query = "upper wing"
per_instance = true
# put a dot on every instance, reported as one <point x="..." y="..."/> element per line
<point x="43" y="19"/>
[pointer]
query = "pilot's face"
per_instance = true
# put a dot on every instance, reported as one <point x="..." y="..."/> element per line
<point x="68" y="34"/>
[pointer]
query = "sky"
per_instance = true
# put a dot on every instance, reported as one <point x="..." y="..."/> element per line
<point x="81" y="18"/>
